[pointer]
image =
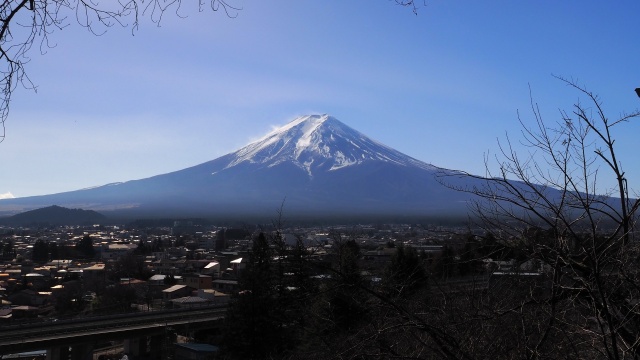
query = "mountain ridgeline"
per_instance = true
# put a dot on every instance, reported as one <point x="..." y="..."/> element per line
<point x="54" y="216"/>
<point x="315" y="166"/>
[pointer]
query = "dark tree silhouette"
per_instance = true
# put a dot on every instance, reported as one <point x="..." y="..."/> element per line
<point x="40" y="251"/>
<point x="54" y="253"/>
<point x="7" y="249"/>
<point x="548" y="206"/>
<point x="169" y="280"/>
<point x="405" y="273"/>
<point x="85" y="247"/>
<point x="413" y="4"/>
<point x="116" y="299"/>
<point x="252" y="330"/>
<point x="129" y="265"/>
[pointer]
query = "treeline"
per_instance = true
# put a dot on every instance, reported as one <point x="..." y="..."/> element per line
<point x="44" y="251"/>
<point x="295" y="303"/>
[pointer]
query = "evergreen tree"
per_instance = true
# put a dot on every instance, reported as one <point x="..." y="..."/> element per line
<point x="444" y="264"/>
<point x="348" y="267"/>
<point x="251" y="330"/>
<point x="54" y="254"/>
<point x="405" y="272"/>
<point x="169" y="280"/>
<point x="142" y="248"/>
<point x="129" y="266"/>
<point x="270" y="316"/>
<point x="116" y="299"/>
<point x="299" y="290"/>
<point x="470" y="262"/>
<point x="7" y="249"/>
<point x="40" y="251"/>
<point x="345" y="300"/>
<point x="180" y="241"/>
<point x="157" y="245"/>
<point x="85" y="247"/>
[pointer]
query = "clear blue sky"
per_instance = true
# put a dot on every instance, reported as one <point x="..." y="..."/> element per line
<point x="441" y="86"/>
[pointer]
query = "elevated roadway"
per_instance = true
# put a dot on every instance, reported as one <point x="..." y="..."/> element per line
<point x="87" y="330"/>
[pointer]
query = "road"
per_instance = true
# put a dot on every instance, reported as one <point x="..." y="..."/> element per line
<point x="36" y="336"/>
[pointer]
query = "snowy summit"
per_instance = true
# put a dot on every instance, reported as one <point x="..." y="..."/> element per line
<point x="319" y="142"/>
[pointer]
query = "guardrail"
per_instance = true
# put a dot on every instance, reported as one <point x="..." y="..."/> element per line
<point x="95" y="318"/>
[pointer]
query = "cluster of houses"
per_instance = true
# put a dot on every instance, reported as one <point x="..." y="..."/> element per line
<point x="33" y="292"/>
<point x="186" y="265"/>
<point x="195" y="272"/>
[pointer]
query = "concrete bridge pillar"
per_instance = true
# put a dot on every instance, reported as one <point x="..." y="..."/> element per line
<point x="155" y="346"/>
<point x="58" y="353"/>
<point x="81" y="352"/>
<point x="135" y="346"/>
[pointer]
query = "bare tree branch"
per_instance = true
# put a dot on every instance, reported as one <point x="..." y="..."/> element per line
<point x="547" y="205"/>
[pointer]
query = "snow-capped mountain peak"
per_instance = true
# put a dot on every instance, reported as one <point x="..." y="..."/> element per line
<point x="322" y="167"/>
<point x="314" y="142"/>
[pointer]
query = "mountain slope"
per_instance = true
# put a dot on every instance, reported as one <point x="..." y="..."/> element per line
<point x="317" y="165"/>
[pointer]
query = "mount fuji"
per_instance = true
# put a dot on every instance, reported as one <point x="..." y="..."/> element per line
<point x="314" y="167"/>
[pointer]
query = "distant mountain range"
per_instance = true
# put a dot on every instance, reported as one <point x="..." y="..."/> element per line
<point x="315" y="166"/>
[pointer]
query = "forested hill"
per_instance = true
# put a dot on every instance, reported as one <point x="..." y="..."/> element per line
<point x="54" y="215"/>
